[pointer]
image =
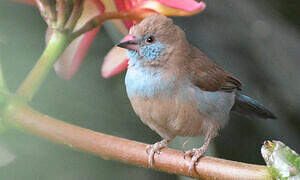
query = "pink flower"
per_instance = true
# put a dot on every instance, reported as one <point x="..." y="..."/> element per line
<point x="115" y="61"/>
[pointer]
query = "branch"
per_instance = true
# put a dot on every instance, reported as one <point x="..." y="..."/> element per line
<point x="132" y="14"/>
<point x="61" y="13"/>
<point x="75" y="15"/>
<point x="47" y="11"/>
<point x="19" y="115"/>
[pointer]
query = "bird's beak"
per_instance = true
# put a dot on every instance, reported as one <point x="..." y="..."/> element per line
<point x="129" y="42"/>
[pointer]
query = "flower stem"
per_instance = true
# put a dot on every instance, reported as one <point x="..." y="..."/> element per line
<point x="56" y="45"/>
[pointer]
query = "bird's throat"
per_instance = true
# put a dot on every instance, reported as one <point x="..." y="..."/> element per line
<point x="144" y="82"/>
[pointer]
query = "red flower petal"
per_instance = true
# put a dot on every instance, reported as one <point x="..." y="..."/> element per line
<point x="71" y="59"/>
<point x="123" y="5"/>
<point x="114" y="62"/>
<point x="186" y="5"/>
<point x="166" y="7"/>
<point x="173" y="7"/>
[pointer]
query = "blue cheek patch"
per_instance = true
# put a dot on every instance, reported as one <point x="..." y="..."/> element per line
<point x="152" y="51"/>
<point x="146" y="53"/>
<point x="143" y="82"/>
<point x="132" y="55"/>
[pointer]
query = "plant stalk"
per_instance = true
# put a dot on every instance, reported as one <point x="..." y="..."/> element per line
<point x="55" y="47"/>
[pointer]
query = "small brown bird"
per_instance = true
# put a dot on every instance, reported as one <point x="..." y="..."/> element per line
<point x="176" y="89"/>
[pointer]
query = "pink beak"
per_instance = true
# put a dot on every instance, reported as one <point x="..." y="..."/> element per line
<point x="129" y="42"/>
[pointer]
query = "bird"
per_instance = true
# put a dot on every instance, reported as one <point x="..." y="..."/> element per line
<point x="177" y="90"/>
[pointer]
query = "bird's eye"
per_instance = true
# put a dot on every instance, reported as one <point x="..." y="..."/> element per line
<point x="150" y="39"/>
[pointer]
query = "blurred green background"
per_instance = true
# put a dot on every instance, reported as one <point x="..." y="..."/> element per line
<point x="258" y="41"/>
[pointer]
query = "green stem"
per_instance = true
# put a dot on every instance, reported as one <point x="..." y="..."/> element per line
<point x="56" y="45"/>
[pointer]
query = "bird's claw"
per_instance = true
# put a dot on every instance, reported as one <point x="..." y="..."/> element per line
<point x="154" y="149"/>
<point x="195" y="155"/>
<point x="189" y="153"/>
<point x="149" y="148"/>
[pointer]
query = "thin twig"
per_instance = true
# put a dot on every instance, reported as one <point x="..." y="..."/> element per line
<point x="61" y="13"/>
<point x="75" y="15"/>
<point x="127" y="151"/>
<point x="47" y="11"/>
<point x="136" y="14"/>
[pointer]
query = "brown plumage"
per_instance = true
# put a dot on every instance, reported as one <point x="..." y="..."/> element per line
<point x="203" y="72"/>
<point x="208" y="75"/>
<point x="176" y="89"/>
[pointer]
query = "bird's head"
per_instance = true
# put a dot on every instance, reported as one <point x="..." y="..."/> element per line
<point x="150" y="42"/>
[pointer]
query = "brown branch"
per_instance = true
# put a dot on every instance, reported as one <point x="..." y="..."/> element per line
<point x="75" y="15"/>
<point x="132" y="14"/>
<point x="61" y="13"/>
<point x="127" y="151"/>
<point x="47" y="10"/>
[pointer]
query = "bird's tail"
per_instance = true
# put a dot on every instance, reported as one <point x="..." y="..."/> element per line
<point x="248" y="106"/>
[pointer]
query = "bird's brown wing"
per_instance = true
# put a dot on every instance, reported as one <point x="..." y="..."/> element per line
<point x="208" y="75"/>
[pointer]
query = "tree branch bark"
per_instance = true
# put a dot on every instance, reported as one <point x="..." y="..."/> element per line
<point x="20" y="115"/>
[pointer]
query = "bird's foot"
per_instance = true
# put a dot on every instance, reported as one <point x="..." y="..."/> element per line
<point x="155" y="149"/>
<point x="194" y="155"/>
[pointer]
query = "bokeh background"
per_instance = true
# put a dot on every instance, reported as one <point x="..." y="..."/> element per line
<point x="258" y="41"/>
